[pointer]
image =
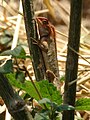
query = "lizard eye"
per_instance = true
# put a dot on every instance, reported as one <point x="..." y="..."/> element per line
<point x="45" y="22"/>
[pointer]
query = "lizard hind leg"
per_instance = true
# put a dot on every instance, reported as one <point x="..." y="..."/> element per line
<point x="50" y="76"/>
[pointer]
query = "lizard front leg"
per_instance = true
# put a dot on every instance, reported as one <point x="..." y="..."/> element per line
<point x="42" y="45"/>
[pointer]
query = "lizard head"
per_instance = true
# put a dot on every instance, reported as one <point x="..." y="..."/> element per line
<point x="46" y="29"/>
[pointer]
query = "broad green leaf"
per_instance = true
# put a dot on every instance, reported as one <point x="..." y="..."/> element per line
<point x="83" y="104"/>
<point x="64" y="107"/>
<point x="62" y="78"/>
<point x="41" y="116"/>
<point x="20" y="75"/>
<point x="86" y="107"/>
<point x="7" y="67"/>
<point x="44" y="100"/>
<point x="50" y="103"/>
<point x="6" y="38"/>
<point x="48" y="90"/>
<point x="26" y="86"/>
<point x="17" y="52"/>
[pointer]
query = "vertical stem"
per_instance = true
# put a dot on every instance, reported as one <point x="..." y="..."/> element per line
<point x="32" y="33"/>
<point x="72" y="57"/>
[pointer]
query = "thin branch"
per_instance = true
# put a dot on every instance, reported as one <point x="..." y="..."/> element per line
<point x="40" y="97"/>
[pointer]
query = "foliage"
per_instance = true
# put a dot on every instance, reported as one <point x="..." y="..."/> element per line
<point x="52" y="112"/>
<point x="5" y="40"/>
<point x="46" y="89"/>
<point x="26" y="86"/>
<point x="50" y="96"/>
<point x="17" y="52"/>
<point x="83" y="104"/>
<point x="7" y="67"/>
<point x="62" y="79"/>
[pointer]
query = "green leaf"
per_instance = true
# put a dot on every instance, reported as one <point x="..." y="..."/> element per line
<point x="17" y="52"/>
<point x="26" y="86"/>
<point x="62" y="78"/>
<point x="6" y="38"/>
<point x="20" y="75"/>
<point x="83" y="104"/>
<point x="44" y="101"/>
<point x="64" y="107"/>
<point x="48" y="90"/>
<point x="41" y="116"/>
<point x="7" y="67"/>
<point x="50" y="103"/>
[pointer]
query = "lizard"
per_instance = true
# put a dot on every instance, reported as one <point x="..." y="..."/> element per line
<point x="47" y="44"/>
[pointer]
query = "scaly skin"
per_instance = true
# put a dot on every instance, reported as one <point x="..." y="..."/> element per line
<point x="49" y="51"/>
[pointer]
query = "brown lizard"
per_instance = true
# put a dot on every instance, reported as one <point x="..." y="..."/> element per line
<point x="48" y="45"/>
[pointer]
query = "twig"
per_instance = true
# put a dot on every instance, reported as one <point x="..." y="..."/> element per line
<point x="40" y="97"/>
<point x="78" y="54"/>
<point x="61" y="33"/>
<point x="32" y="82"/>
